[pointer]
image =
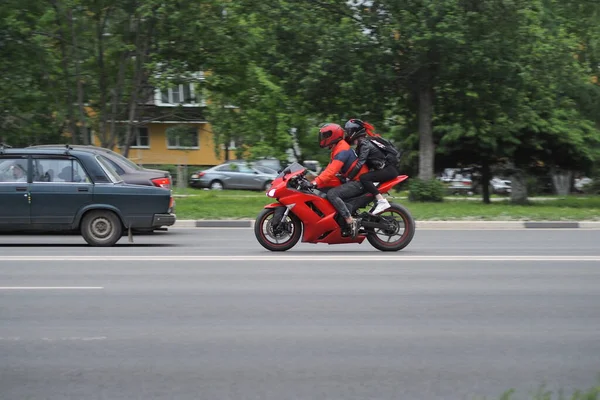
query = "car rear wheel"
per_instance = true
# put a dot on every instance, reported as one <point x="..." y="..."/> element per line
<point x="216" y="185"/>
<point x="101" y="228"/>
<point x="267" y="185"/>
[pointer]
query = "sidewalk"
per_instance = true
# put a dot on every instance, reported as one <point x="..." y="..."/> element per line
<point x="451" y="225"/>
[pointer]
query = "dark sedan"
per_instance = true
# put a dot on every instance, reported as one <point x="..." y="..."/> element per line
<point x="68" y="190"/>
<point x="129" y="171"/>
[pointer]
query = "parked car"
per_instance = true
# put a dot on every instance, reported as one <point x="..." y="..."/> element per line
<point x="265" y="170"/>
<point x="457" y="181"/>
<point x="129" y="171"/>
<point x="313" y="165"/>
<point x="581" y="182"/>
<point x="500" y="186"/>
<point x="270" y="163"/>
<point x="232" y="175"/>
<point x="72" y="190"/>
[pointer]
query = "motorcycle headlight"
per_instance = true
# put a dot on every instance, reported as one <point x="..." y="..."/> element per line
<point x="271" y="193"/>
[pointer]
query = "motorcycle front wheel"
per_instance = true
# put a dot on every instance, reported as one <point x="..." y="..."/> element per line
<point x="400" y="231"/>
<point x="277" y="238"/>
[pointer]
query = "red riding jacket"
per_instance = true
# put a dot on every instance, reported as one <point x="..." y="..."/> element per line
<point x="343" y="159"/>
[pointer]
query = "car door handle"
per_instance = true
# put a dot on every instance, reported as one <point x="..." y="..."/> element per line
<point x="22" y="189"/>
<point x="83" y="189"/>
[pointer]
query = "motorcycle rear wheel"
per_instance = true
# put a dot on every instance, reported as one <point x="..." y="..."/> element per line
<point x="400" y="219"/>
<point x="281" y="239"/>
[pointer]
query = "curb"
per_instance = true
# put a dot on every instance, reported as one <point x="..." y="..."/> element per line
<point x="450" y="225"/>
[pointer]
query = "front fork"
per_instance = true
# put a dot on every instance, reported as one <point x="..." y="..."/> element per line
<point x="279" y="216"/>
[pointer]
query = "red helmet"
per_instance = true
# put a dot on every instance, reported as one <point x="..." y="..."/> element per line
<point x="330" y="134"/>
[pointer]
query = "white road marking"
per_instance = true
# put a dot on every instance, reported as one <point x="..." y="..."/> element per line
<point x="51" y="287"/>
<point x="301" y="258"/>
<point x="76" y="338"/>
<point x="46" y="339"/>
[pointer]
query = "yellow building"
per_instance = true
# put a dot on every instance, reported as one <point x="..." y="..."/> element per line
<point x="178" y="106"/>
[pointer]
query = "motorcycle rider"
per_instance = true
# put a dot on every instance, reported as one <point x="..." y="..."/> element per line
<point x="369" y="154"/>
<point x="332" y="179"/>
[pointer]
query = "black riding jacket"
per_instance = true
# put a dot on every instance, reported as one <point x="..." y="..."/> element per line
<point x="367" y="153"/>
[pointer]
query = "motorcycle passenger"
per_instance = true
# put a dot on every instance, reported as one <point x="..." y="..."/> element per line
<point x="343" y="159"/>
<point x="369" y="154"/>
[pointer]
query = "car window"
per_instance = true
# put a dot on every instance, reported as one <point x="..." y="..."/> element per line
<point x="125" y="160"/>
<point x="13" y="169"/>
<point x="245" y="169"/>
<point x="63" y="170"/>
<point x="265" y="170"/>
<point x="114" y="165"/>
<point x="226" y="167"/>
<point x="108" y="169"/>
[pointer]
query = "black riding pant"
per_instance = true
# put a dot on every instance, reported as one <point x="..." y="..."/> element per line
<point x="387" y="173"/>
<point x="338" y="194"/>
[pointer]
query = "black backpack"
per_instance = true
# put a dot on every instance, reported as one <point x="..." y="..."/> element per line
<point x="391" y="152"/>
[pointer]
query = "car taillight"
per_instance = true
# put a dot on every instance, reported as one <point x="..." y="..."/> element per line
<point x="162" y="182"/>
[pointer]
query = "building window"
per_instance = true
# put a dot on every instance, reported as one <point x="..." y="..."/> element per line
<point x="232" y="145"/>
<point x="184" y="138"/>
<point x="178" y="94"/>
<point x="140" y="138"/>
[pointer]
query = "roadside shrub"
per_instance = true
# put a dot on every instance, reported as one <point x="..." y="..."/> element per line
<point x="593" y="187"/>
<point x="430" y="191"/>
<point x="539" y="185"/>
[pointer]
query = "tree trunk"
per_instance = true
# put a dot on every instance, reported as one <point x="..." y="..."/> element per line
<point x="426" y="145"/>
<point x="138" y="78"/>
<point x="518" y="194"/>
<point x="102" y="72"/>
<point x="181" y="176"/>
<point x="116" y="98"/>
<point x="562" y="182"/>
<point x="71" y="127"/>
<point x="485" y="180"/>
<point x="80" y="94"/>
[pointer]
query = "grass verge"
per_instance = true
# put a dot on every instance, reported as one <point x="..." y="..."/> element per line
<point x="239" y="204"/>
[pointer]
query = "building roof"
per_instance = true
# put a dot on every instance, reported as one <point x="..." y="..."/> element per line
<point x="155" y="114"/>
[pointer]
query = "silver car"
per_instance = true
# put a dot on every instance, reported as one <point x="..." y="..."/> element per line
<point x="232" y="176"/>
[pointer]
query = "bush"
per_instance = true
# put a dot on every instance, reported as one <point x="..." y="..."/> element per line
<point x="539" y="185"/>
<point x="432" y="191"/>
<point x="592" y="188"/>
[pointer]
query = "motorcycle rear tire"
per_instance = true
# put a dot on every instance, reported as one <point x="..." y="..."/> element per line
<point x="405" y="239"/>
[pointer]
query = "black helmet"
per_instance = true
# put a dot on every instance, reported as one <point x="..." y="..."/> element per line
<point x="354" y="128"/>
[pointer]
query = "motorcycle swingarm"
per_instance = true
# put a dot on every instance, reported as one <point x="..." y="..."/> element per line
<point x="375" y="225"/>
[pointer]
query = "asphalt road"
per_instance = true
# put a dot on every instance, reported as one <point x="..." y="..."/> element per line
<point x="209" y="314"/>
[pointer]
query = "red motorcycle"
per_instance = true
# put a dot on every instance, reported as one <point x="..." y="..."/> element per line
<point x="303" y="211"/>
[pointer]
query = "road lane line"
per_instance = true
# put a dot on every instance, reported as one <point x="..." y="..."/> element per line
<point x="51" y="287"/>
<point x="302" y="258"/>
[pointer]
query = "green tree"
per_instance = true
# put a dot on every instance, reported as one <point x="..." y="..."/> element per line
<point x="29" y="111"/>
